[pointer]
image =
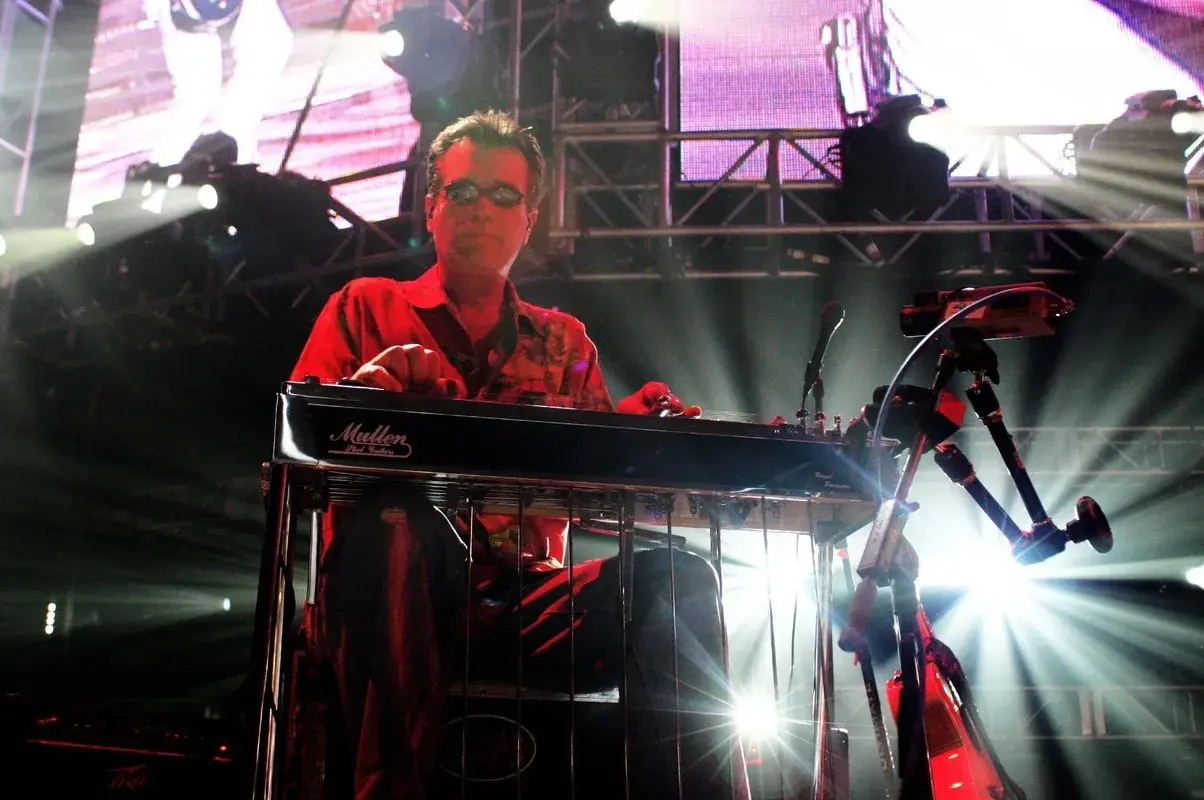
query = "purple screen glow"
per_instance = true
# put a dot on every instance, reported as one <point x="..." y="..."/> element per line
<point x="764" y="64"/>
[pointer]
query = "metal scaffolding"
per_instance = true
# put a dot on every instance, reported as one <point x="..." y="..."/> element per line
<point x="620" y="209"/>
<point x="26" y="35"/>
<point x="27" y="30"/>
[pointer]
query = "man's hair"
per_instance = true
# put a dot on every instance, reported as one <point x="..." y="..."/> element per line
<point x="489" y="129"/>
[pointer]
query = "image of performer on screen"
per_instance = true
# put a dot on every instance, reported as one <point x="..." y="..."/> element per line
<point x="391" y="612"/>
<point x="1022" y="62"/>
<point x="195" y="34"/>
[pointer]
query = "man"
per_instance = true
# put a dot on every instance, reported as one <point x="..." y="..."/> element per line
<point x="392" y="583"/>
<point x="260" y="42"/>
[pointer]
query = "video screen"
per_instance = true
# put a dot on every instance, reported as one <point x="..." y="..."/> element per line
<point x="158" y="81"/>
<point x="791" y="64"/>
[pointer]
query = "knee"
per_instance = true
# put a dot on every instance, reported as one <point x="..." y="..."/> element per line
<point x="396" y="509"/>
<point x="388" y="524"/>
<point x="691" y="574"/>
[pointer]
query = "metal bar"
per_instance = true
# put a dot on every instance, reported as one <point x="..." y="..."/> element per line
<point x="775" y="208"/>
<point x="8" y="16"/>
<point x="315" y="557"/>
<point x="601" y="173"/>
<point x="668" y="105"/>
<point x="518" y="694"/>
<point x="374" y="172"/>
<point x="625" y="609"/>
<point x="676" y="666"/>
<point x="722" y="181"/>
<point x="270" y="629"/>
<point x="308" y="105"/>
<point x="810" y="159"/>
<point x="823" y="785"/>
<point x="468" y="560"/>
<point x="12" y="148"/>
<point x="844" y="242"/>
<point x="36" y="104"/>
<point x="1080" y="225"/>
<point x="639" y="132"/>
<point x="897" y="256"/>
<point x="773" y="636"/>
<point x="1032" y="184"/>
<point x="572" y="656"/>
<point x="716" y="542"/>
<point x="35" y="13"/>
<point x="516" y="62"/>
<point x="744" y="203"/>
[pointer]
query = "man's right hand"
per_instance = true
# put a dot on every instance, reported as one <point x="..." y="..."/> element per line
<point x="412" y="368"/>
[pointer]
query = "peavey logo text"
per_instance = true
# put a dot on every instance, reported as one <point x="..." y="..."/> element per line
<point x="379" y="442"/>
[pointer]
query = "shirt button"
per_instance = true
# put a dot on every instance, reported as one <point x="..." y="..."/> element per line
<point x="494" y="358"/>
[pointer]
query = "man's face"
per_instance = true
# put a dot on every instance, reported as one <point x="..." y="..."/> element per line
<point x="479" y="217"/>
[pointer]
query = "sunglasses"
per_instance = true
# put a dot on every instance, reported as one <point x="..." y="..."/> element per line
<point x="465" y="193"/>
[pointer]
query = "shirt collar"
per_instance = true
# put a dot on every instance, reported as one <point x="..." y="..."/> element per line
<point x="428" y="292"/>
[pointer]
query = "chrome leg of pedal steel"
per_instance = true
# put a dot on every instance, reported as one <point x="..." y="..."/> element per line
<point x="464" y="722"/>
<point x="676" y="665"/>
<point x="823" y="785"/>
<point x="315" y="557"/>
<point x="773" y="635"/>
<point x="572" y="656"/>
<point x="735" y="769"/>
<point x="270" y="624"/>
<point x="518" y="688"/>
<point x="626" y="565"/>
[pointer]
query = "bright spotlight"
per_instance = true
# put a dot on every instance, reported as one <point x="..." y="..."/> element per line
<point x="225" y="604"/>
<point x="207" y="197"/>
<point x="756" y="718"/>
<point x="1195" y="576"/>
<point x="52" y="607"/>
<point x="392" y="44"/>
<point x="86" y="233"/>
<point x="3" y="246"/>
<point x="623" y="11"/>
<point x="49" y="629"/>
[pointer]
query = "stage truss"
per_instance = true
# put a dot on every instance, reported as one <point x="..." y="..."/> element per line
<point x="618" y="210"/>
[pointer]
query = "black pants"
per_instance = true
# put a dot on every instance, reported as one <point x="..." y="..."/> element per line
<point x="392" y="617"/>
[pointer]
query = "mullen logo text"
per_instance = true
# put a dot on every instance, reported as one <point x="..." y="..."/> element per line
<point x="379" y="441"/>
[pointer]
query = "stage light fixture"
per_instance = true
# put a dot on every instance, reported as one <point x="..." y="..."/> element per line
<point x="426" y="48"/>
<point x="884" y="168"/>
<point x="608" y="59"/>
<point x="1140" y="158"/>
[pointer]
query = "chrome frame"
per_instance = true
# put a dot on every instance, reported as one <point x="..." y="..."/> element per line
<point x="289" y="491"/>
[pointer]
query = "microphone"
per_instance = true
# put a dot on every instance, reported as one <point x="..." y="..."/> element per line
<point x="830" y="318"/>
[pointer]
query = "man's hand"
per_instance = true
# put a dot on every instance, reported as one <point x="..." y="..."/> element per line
<point x="655" y="398"/>
<point x="412" y="368"/>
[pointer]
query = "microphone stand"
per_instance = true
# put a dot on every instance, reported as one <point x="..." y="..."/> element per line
<point x="823" y="779"/>
<point x="890" y="560"/>
<point x="1045" y="539"/>
<point x="830" y="318"/>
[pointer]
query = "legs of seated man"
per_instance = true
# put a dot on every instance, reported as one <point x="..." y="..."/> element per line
<point x="711" y="756"/>
<point x="391" y="591"/>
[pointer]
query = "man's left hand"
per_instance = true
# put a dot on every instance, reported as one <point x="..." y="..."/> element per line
<point x="655" y="398"/>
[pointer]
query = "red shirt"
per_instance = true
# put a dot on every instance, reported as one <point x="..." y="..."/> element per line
<point x="535" y="355"/>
